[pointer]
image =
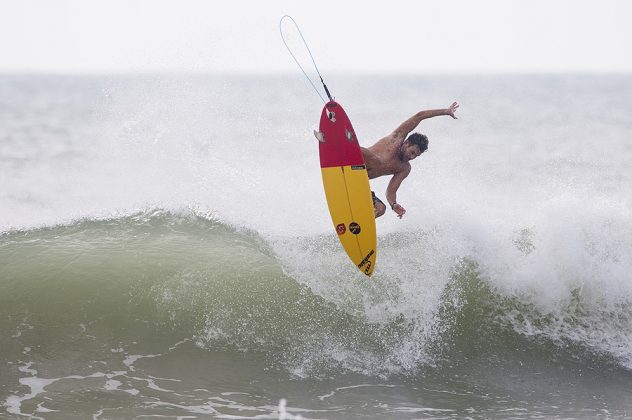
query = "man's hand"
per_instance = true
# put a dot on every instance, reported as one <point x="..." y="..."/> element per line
<point x="452" y="110"/>
<point x="399" y="210"/>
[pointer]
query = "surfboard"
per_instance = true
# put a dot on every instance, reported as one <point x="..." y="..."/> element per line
<point x="346" y="185"/>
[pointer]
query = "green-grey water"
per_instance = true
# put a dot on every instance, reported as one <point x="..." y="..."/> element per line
<point x="166" y="252"/>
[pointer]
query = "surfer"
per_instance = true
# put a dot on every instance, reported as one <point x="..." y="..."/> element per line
<point x="392" y="154"/>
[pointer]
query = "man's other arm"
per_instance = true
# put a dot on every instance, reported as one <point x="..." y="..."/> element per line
<point x="391" y="190"/>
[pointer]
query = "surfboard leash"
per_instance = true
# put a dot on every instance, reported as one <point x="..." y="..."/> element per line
<point x="310" y="54"/>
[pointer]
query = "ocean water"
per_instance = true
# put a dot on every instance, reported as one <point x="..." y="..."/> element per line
<point x="166" y="251"/>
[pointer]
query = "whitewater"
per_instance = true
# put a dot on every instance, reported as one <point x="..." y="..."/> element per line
<point x="166" y="250"/>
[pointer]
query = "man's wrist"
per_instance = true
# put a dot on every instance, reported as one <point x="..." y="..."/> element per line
<point x="393" y="204"/>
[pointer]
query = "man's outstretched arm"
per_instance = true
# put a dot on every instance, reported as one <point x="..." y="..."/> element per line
<point x="411" y="123"/>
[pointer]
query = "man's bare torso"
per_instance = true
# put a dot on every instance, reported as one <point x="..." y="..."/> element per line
<point x="383" y="157"/>
<point x="392" y="154"/>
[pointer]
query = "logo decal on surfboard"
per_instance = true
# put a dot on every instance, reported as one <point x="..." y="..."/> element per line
<point x="354" y="228"/>
<point x="366" y="261"/>
<point x="341" y="229"/>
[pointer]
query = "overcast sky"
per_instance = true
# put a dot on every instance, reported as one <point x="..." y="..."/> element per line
<point x="243" y="36"/>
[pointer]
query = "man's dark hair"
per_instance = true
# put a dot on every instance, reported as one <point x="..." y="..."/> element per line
<point x="420" y="140"/>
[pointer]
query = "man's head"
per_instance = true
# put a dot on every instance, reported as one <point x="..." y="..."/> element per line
<point x="414" y="145"/>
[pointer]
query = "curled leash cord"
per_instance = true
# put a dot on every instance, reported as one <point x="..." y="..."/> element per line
<point x="310" y="54"/>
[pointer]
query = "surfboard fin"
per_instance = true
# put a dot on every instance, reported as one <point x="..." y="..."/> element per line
<point x="349" y="135"/>
<point x="320" y="136"/>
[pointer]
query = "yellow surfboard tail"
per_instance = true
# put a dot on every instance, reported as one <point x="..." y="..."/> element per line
<point x="351" y="208"/>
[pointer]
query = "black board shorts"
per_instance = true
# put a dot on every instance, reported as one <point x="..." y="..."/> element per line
<point x="375" y="199"/>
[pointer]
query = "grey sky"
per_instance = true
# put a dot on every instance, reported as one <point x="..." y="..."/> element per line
<point x="242" y="36"/>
